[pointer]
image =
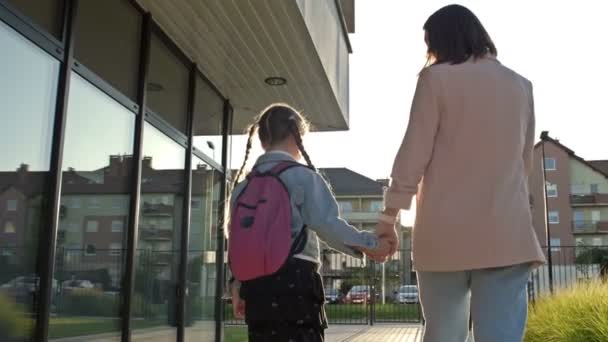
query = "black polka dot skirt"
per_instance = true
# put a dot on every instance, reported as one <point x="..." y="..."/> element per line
<point x="286" y="306"/>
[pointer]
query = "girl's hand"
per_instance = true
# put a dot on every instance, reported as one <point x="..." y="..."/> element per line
<point x="387" y="231"/>
<point x="380" y="253"/>
<point x="238" y="304"/>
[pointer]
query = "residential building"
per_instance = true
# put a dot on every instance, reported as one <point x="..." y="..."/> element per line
<point x="360" y="200"/>
<point x="117" y="118"/>
<point x="577" y="197"/>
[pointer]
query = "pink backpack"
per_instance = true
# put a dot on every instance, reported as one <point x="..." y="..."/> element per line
<point x="260" y="239"/>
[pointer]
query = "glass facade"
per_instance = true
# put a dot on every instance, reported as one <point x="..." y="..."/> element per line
<point x="83" y="158"/>
<point x="160" y="228"/>
<point x="201" y="273"/>
<point x="94" y="209"/>
<point x="28" y="89"/>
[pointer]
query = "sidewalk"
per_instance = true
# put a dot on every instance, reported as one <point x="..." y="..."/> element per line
<point x="380" y="332"/>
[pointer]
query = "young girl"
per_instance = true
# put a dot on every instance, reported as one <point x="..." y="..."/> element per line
<point x="288" y="305"/>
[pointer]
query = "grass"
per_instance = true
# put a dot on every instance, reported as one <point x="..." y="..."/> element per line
<point x="575" y="315"/>
<point x="235" y="334"/>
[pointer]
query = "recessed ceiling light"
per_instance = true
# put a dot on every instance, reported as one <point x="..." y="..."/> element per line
<point x="153" y="86"/>
<point x="275" y="81"/>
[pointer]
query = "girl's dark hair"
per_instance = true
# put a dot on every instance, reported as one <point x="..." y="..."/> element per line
<point x="274" y="125"/>
<point x="454" y="34"/>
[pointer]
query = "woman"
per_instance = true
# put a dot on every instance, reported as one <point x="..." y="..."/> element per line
<point x="466" y="156"/>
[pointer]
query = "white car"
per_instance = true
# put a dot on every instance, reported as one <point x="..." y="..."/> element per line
<point x="407" y="294"/>
<point x="77" y="284"/>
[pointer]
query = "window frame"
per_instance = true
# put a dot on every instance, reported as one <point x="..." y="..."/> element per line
<point x="551" y="187"/>
<point x="554" y="168"/>
<point x="549" y="216"/>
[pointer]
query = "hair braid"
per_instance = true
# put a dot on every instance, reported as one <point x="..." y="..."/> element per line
<point x="247" y="151"/>
<point x="298" y="137"/>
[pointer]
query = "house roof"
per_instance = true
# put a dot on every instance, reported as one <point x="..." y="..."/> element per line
<point x="600" y="166"/>
<point x="345" y="182"/>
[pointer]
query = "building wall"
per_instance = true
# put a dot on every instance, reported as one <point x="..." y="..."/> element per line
<point x="582" y="176"/>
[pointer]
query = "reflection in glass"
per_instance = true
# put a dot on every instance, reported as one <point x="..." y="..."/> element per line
<point x="48" y="14"/>
<point x="96" y="176"/>
<point x="160" y="226"/>
<point x="27" y="107"/>
<point x="107" y="41"/>
<point x="208" y="119"/>
<point x="168" y="84"/>
<point x="201" y="252"/>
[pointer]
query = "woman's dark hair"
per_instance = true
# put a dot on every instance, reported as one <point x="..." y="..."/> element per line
<point x="454" y="34"/>
<point x="274" y="125"/>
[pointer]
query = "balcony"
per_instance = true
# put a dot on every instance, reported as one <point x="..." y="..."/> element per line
<point x="589" y="199"/>
<point x="590" y="227"/>
<point x="155" y="234"/>
<point x="157" y="209"/>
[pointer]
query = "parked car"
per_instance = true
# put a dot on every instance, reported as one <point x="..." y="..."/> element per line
<point x="359" y="294"/>
<point x="23" y="288"/>
<point x="407" y="294"/>
<point x="77" y="284"/>
<point x="333" y="296"/>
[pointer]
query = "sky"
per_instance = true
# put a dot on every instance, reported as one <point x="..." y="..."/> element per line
<point x="559" y="45"/>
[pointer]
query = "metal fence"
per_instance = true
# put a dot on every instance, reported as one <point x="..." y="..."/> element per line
<point x="364" y="292"/>
<point x="569" y="266"/>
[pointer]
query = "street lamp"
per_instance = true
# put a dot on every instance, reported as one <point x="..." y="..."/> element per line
<point x="544" y="137"/>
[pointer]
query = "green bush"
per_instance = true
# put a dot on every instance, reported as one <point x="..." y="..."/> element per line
<point x="89" y="302"/>
<point x="579" y="314"/>
<point x="13" y="322"/>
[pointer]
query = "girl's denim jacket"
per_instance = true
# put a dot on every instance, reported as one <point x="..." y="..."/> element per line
<point x="314" y="206"/>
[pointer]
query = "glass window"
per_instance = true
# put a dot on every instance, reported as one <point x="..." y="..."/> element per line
<point x="550" y="164"/>
<point x="201" y="251"/>
<point x="28" y="84"/>
<point x="554" y="217"/>
<point x="108" y="35"/>
<point x="551" y="190"/>
<point x="579" y="220"/>
<point x="556" y="244"/>
<point x="48" y="14"/>
<point x="75" y="203"/>
<point x="159" y="246"/>
<point x="167" y="84"/>
<point x="92" y="227"/>
<point x="11" y="205"/>
<point x="95" y="171"/>
<point x="117" y="226"/>
<point x="90" y="250"/>
<point x="208" y="119"/>
<point x="345" y="206"/>
<point x="578" y="189"/>
<point x="9" y="227"/>
<point x="595" y="188"/>
<point x="94" y="203"/>
<point x="115" y="249"/>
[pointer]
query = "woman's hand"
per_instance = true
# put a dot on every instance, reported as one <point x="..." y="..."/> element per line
<point x="238" y="304"/>
<point x="387" y="231"/>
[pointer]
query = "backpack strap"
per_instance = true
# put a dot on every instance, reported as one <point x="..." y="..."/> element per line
<point x="299" y="242"/>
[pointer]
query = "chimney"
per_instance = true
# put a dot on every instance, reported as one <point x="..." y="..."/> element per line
<point x="22" y="173"/>
<point x="147" y="162"/>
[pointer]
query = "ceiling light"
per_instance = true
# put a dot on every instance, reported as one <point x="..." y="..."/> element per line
<point x="275" y="81"/>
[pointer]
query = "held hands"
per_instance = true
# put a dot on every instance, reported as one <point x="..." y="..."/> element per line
<point x="388" y="243"/>
<point x="238" y="304"/>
